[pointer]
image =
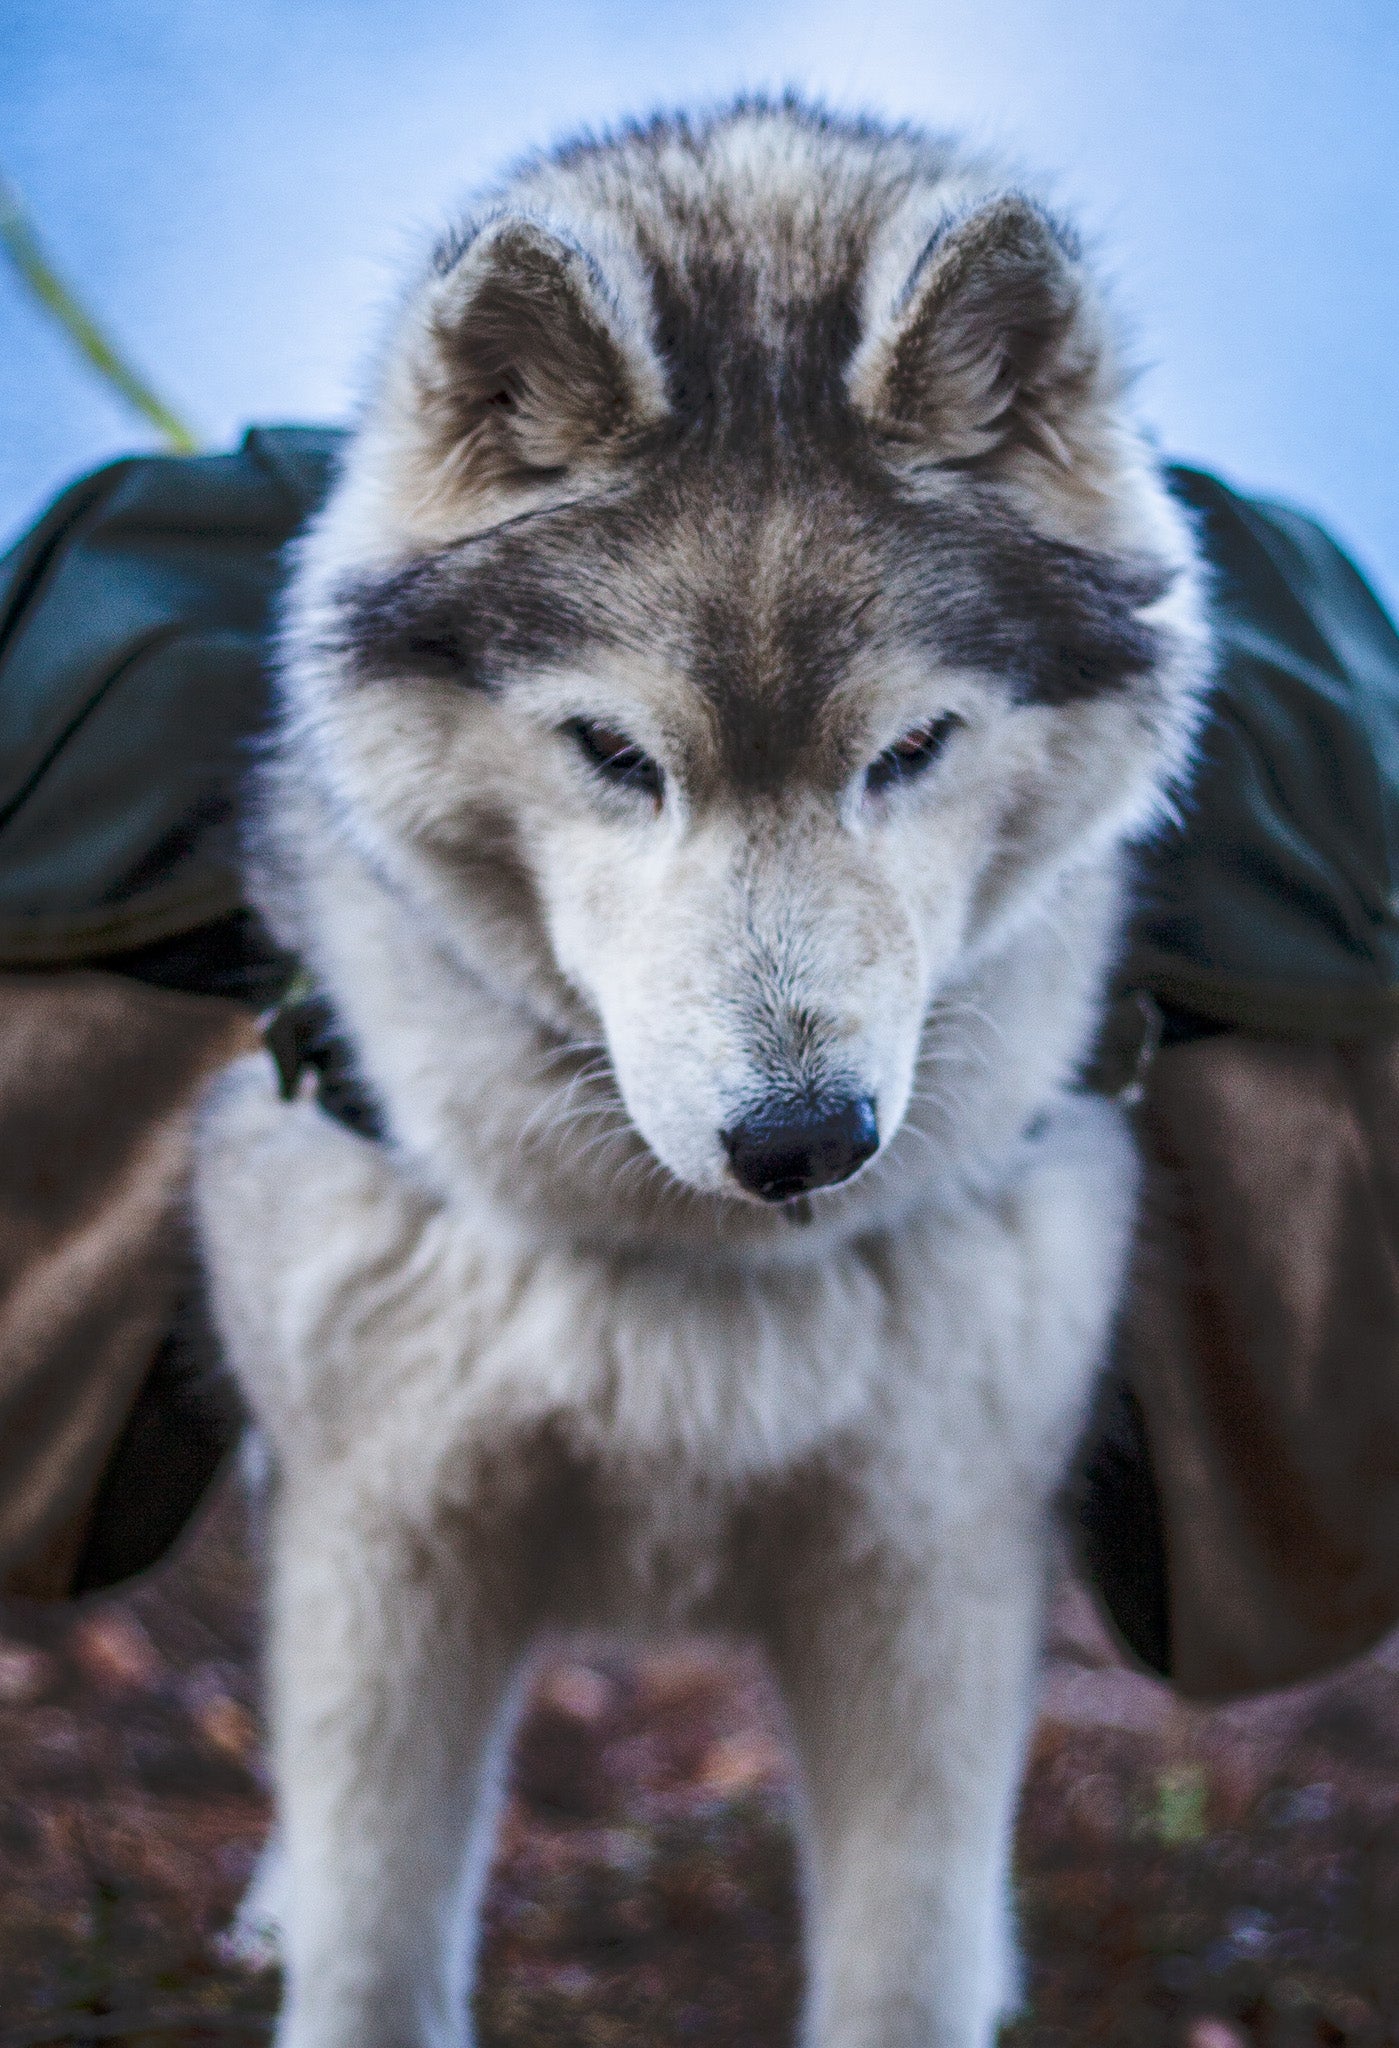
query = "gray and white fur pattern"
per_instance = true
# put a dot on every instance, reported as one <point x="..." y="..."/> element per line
<point x="746" y="635"/>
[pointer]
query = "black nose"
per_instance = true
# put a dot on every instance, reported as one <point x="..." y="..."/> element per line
<point x="789" y="1148"/>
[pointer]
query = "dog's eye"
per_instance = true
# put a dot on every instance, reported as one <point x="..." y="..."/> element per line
<point x="616" y="758"/>
<point x="916" y="751"/>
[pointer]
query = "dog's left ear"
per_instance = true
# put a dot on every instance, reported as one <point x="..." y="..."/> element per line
<point x="991" y="343"/>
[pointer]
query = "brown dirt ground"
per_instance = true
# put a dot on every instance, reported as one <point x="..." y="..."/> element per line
<point x="1204" y="1879"/>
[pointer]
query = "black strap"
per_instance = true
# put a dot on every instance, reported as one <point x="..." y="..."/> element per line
<point x="303" y="1036"/>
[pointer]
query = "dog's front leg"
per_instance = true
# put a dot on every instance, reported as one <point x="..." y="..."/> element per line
<point x="346" y="1302"/>
<point x="909" y="1689"/>
<point x="907" y="1595"/>
<point x="388" y="1681"/>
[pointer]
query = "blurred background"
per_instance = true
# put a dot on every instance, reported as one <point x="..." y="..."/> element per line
<point x="234" y="186"/>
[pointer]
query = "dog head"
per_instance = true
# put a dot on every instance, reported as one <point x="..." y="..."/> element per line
<point x="744" y="605"/>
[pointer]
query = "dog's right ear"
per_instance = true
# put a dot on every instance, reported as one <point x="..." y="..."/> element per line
<point x="527" y="361"/>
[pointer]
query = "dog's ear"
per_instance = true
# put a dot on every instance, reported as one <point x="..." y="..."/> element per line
<point x="529" y="360"/>
<point x="992" y="342"/>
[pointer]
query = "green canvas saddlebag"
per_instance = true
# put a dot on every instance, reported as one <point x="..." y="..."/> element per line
<point x="133" y="684"/>
<point x="1274" y="905"/>
<point x="1238" y="1499"/>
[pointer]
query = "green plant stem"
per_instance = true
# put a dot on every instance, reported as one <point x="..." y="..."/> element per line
<point x="23" y="247"/>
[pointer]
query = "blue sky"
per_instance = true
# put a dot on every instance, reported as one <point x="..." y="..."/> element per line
<point x="235" y="184"/>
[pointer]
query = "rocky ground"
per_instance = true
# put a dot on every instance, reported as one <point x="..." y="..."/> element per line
<point x="1211" y="1880"/>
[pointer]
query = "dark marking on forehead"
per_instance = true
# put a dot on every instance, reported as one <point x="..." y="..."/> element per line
<point x="762" y="574"/>
<point x="765" y="615"/>
<point x="766" y="646"/>
<point x="751" y="373"/>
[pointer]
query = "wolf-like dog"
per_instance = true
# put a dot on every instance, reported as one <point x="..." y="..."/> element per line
<point x="718" y="698"/>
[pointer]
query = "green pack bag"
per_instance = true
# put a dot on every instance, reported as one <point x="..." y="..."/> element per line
<point x="1274" y="904"/>
<point x="1237" y="1505"/>
<point x="134" y="686"/>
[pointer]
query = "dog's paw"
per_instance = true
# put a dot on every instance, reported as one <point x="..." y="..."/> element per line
<point x="253" y="1939"/>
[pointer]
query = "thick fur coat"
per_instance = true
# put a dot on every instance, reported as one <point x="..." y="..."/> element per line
<point x="745" y="636"/>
